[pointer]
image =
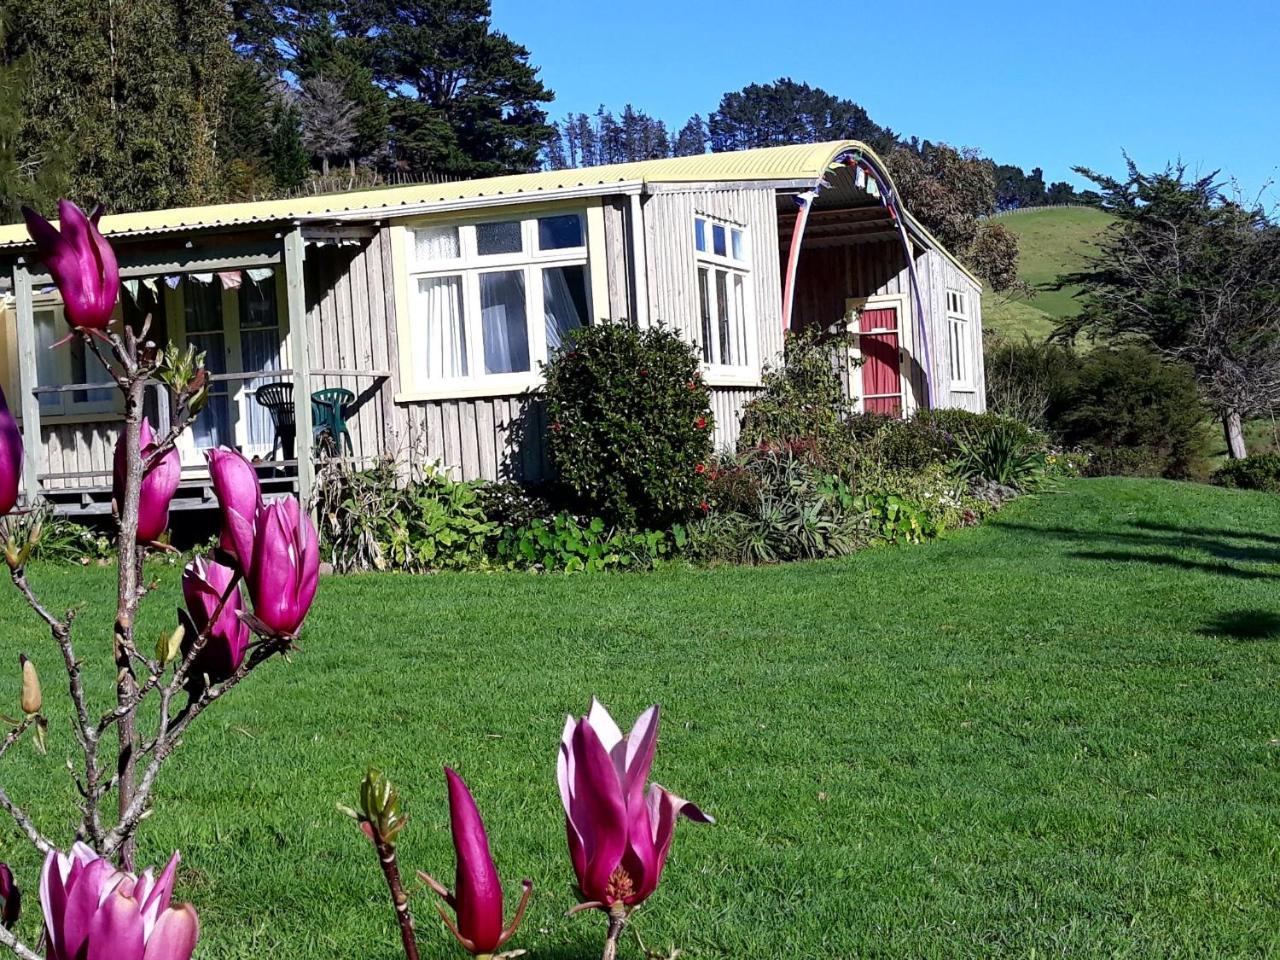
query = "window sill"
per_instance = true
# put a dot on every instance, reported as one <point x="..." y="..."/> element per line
<point x="473" y="390"/>
<point x="730" y="378"/>
<point x="963" y="388"/>
<point x="89" y="416"/>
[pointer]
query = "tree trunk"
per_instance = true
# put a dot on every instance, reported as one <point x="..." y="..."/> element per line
<point x="1233" y="428"/>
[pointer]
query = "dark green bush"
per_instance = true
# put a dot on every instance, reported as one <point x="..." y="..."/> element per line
<point x="1006" y="456"/>
<point x="1258" y="472"/>
<point x="1134" y="412"/>
<point x="802" y="400"/>
<point x="630" y="425"/>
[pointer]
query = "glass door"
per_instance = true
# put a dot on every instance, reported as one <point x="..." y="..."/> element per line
<point x="260" y="349"/>
<point x="204" y="328"/>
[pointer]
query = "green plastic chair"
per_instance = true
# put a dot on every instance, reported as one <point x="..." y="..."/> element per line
<point x="329" y="414"/>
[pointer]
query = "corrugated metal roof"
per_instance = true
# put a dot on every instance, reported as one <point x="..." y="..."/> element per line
<point x="799" y="162"/>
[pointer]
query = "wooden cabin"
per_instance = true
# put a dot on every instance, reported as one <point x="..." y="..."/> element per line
<point x="434" y="306"/>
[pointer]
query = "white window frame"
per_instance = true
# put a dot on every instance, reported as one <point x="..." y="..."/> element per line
<point x="743" y="313"/>
<point x="470" y="265"/>
<point x="960" y="339"/>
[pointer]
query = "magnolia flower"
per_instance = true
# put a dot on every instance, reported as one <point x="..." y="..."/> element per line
<point x="92" y="911"/>
<point x="285" y="568"/>
<point x="10" y="458"/>
<point x="10" y="898"/>
<point x="235" y="483"/>
<point x="477" y="895"/>
<point x="203" y="584"/>
<point x="81" y="262"/>
<point x="619" y="834"/>
<point x="159" y="484"/>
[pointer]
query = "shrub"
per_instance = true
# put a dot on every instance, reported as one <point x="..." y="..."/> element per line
<point x="1259" y="472"/>
<point x="371" y="520"/>
<point x="1004" y="456"/>
<point x="802" y="400"/>
<point x="630" y="424"/>
<point x="1135" y="412"/>
<point x="770" y="505"/>
<point x="64" y="541"/>
<point x="566" y="544"/>
<point x="1026" y="379"/>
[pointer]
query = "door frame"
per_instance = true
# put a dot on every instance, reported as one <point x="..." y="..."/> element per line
<point x="853" y="307"/>
<point x="175" y="307"/>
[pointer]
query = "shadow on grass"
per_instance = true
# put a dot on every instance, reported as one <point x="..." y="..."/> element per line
<point x="1244" y="625"/>
<point x="1153" y="543"/>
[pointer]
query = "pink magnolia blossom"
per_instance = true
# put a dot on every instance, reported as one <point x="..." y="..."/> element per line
<point x="159" y="484"/>
<point x="204" y="582"/>
<point x="235" y="483"/>
<point x="477" y="893"/>
<point x="619" y="833"/>
<point x="10" y="458"/>
<point x="81" y="262"/>
<point x="93" y="911"/>
<point x="285" y="569"/>
<point x="10" y="898"/>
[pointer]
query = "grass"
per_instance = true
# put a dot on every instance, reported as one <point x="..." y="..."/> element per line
<point x="1055" y="736"/>
<point x="1051" y="242"/>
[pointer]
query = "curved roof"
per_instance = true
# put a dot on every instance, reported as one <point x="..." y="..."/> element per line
<point x="785" y="164"/>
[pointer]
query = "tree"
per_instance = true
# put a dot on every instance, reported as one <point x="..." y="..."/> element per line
<point x="30" y="174"/>
<point x="130" y="91"/>
<point x="329" y="119"/>
<point x="993" y="255"/>
<point x="783" y="112"/>
<point x="1196" y="276"/>
<point x="465" y="99"/>
<point x="691" y="141"/>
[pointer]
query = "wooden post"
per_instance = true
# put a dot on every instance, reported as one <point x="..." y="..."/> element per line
<point x="295" y="298"/>
<point x="32" y="441"/>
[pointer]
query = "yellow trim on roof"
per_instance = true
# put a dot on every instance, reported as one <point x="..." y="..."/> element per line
<point x="808" y="161"/>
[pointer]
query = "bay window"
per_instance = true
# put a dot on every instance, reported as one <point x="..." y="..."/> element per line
<point x="489" y="301"/>
<point x="723" y="294"/>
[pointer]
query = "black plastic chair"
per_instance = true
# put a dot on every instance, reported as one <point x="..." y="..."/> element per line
<point x="278" y="400"/>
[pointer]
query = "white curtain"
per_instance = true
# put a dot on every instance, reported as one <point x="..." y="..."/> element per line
<point x="504" y="322"/>
<point x="560" y="307"/>
<point x="439" y="327"/>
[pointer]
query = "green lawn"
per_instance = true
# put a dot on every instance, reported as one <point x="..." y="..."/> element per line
<point x="1055" y="736"/>
<point x="1051" y="242"/>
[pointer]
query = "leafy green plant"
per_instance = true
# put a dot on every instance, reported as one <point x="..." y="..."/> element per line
<point x="1002" y="456"/>
<point x="630" y="424"/>
<point x="1258" y="472"/>
<point x="566" y="544"/>
<point x="62" y="540"/>
<point x="373" y="520"/>
<point x="803" y="400"/>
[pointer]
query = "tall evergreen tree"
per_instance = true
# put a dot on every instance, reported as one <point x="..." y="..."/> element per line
<point x="782" y="112"/>
<point x="465" y="98"/>
<point x="691" y="141"/>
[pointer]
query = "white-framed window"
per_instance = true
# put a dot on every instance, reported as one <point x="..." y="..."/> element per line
<point x="491" y="299"/>
<point x="69" y="363"/>
<point x="723" y="292"/>
<point x="960" y="331"/>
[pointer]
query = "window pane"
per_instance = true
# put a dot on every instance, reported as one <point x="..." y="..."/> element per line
<point x="564" y="294"/>
<point x="740" y="317"/>
<point x="48" y="360"/>
<point x="558" y="233"/>
<point x="258" y="304"/>
<point x="435" y="244"/>
<point x="504" y="323"/>
<point x="704" y="304"/>
<point x="737" y="245"/>
<point x="439" y="333"/>
<point x="722" y="314"/>
<point x="202" y="304"/>
<point x="718" y="240"/>
<point x="501" y="237"/>
<point x="700" y="235"/>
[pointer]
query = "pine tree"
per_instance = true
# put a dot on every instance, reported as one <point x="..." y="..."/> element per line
<point x="691" y="141"/>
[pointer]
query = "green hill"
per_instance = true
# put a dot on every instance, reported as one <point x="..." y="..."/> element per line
<point x="1051" y="242"/>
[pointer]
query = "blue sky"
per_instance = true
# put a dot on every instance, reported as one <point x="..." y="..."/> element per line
<point x="1033" y="82"/>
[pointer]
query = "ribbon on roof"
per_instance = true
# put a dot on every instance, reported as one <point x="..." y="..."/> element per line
<point x="132" y="287"/>
<point x="202" y="277"/>
<point x="172" y="282"/>
<point x="231" y="279"/>
<point x="150" y="284"/>
<point x="258" y="274"/>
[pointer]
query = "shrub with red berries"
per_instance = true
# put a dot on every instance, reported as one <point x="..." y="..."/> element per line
<point x="635" y="425"/>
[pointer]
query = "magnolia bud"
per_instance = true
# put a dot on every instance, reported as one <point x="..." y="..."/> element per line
<point x="380" y="807"/>
<point x="167" y="647"/>
<point x="32" y="699"/>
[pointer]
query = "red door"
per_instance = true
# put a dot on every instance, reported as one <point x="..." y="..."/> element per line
<point x="881" y="366"/>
